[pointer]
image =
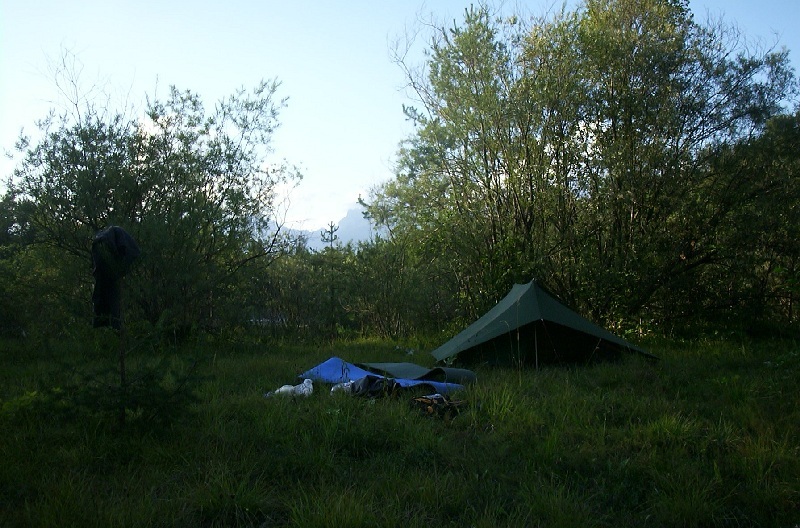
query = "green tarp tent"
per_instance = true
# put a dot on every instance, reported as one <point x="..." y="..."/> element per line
<point x="529" y="326"/>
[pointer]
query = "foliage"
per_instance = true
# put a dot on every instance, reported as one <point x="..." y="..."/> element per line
<point x="373" y="289"/>
<point x="760" y="258"/>
<point x="592" y="151"/>
<point x="196" y="190"/>
<point x="704" y="437"/>
<point x="640" y="164"/>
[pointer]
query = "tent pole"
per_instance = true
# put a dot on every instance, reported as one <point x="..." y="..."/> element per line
<point x="596" y="348"/>
<point x="536" y="344"/>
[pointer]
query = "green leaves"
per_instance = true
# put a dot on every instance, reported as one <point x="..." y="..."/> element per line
<point x="576" y="150"/>
<point x="190" y="186"/>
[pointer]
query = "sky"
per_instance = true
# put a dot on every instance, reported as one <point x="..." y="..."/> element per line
<point x="343" y="122"/>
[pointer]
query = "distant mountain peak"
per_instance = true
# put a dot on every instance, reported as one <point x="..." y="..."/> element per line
<point x="352" y="228"/>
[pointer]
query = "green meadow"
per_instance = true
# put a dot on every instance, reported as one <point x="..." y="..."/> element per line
<point x="706" y="436"/>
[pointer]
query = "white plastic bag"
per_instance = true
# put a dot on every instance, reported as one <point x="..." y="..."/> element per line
<point x="303" y="389"/>
<point x="342" y="387"/>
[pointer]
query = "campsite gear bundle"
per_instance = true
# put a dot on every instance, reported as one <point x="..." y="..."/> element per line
<point x="405" y="375"/>
<point x="380" y="381"/>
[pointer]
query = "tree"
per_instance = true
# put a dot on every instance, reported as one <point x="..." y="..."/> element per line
<point x="196" y="190"/>
<point x="578" y="150"/>
<point x="448" y="196"/>
<point x="663" y="95"/>
<point x="14" y="239"/>
<point x="755" y="280"/>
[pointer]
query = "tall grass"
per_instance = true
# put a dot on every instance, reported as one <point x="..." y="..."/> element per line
<point x="707" y="436"/>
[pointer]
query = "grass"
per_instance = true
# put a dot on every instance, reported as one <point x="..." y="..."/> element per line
<point x="707" y="436"/>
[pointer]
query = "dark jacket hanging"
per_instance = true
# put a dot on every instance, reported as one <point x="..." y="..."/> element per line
<point x="113" y="252"/>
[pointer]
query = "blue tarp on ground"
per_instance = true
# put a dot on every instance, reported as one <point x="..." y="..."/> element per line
<point x="336" y="370"/>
